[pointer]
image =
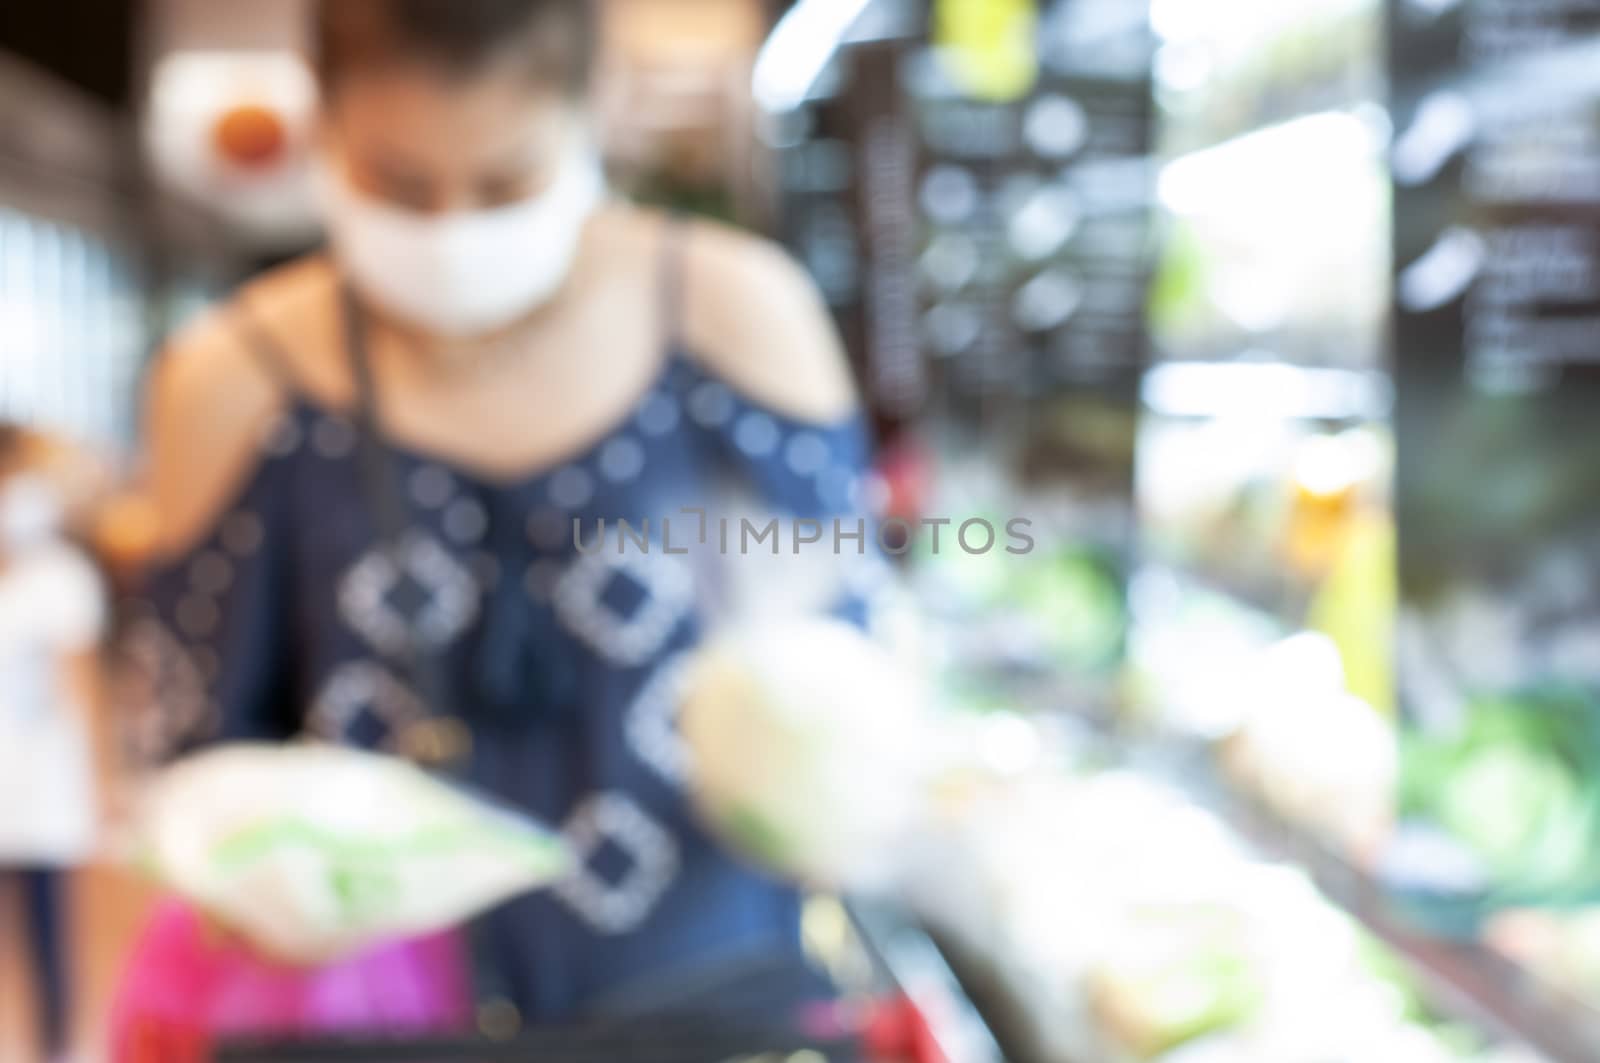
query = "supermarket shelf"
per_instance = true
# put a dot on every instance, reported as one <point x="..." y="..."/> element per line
<point x="646" y="1044"/>
<point x="1570" y="69"/>
<point x="1460" y="980"/>
<point x="1463" y="980"/>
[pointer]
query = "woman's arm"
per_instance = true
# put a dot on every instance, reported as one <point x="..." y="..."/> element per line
<point x="205" y="646"/>
<point x="208" y="404"/>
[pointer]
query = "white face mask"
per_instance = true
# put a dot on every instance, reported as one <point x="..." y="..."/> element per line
<point x="30" y="513"/>
<point x="464" y="273"/>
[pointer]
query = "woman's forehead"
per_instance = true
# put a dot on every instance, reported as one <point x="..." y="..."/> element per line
<point x="499" y="117"/>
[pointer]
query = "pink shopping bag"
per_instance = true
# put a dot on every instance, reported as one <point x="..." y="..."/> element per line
<point x="183" y="989"/>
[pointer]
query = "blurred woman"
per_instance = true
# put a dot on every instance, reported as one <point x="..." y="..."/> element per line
<point x="51" y="614"/>
<point x="534" y="353"/>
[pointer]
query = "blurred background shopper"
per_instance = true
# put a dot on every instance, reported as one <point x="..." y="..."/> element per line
<point x="368" y="463"/>
<point x="51" y="615"/>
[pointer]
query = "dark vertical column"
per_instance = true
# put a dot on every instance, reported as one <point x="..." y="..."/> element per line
<point x="885" y="208"/>
<point x="847" y="205"/>
<point x="1496" y="163"/>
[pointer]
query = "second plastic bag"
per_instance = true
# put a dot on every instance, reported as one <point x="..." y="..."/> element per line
<point x="188" y="987"/>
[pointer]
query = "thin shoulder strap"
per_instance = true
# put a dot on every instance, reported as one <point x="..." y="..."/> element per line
<point x="673" y="269"/>
<point x="379" y="477"/>
<point x="436" y="746"/>
<point x="263" y="347"/>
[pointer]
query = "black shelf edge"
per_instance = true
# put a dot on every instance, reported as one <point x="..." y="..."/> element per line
<point x="969" y="1020"/>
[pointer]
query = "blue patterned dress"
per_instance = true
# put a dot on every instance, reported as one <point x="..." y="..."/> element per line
<point x="287" y="618"/>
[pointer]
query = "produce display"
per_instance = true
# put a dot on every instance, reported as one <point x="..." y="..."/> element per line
<point x="1496" y="248"/>
<point x="1513" y="786"/>
<point x="1562" y="948"/>
<point x="1143" y="930"/>
<point x="1268" y="508"/>
<point x="1061" y="607"/>
<point x="1263" y="614"/>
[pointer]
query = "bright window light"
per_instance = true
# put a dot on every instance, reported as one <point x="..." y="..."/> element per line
<point x="1295" y="160"/>
<point x="798" y="50"/>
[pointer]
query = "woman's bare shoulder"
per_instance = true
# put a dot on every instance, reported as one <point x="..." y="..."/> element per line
<point x="754" y="317"/>
<point x="214" y="391"/>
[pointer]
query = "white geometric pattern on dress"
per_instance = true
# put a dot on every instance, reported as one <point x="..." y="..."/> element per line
<point x="242" y="533"/>
<point x="659" y="415"/>
<point x="465" y="521"/>
<point x="431" y="486"/>
<point x="807" y="453"/>
<point x="571" y="488"/>
<point x="620" y="906"/>
<point x="211" y="572"/>
<point x="665" y="590"/>
<point x="198" y="616"/>
<point x="283" y="436"/>
<point x="711" y="404"/>
<point x="171" y="704"/>
<point x="622" y="459"/>
<point x="838" y="487"/>
<point x="651" y="722"/>
<point x="333" y="437"/>
<point x="361" y="691"/>
<point x="756" y="434"/>
<point x="448" y="595"/>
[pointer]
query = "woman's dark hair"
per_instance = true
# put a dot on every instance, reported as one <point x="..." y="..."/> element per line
<point x="460" y="37"/>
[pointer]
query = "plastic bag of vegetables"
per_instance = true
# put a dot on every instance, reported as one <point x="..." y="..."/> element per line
<point x="312" y="852"/>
